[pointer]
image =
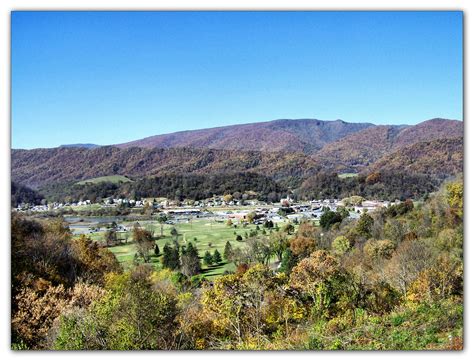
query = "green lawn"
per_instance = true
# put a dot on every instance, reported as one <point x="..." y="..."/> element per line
<point x="347" y="175"/>
<point x="109" y="179"/>
<point x="205" y="234"/>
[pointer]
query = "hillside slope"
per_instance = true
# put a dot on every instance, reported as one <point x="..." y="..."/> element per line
<point x="37" y="167"/>
<point x="290" y="135"/>
<point x="440" y="158"/>
<point x="357" y="151"/>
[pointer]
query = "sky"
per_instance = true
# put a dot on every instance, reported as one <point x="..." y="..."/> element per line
<point x="112" y="77"/>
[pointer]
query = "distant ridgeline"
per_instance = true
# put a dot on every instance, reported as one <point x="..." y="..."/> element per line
<point x="391" y="162"/>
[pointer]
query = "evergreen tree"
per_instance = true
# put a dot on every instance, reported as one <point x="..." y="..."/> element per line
<point x="170" y="257"/>
<point x="268" y="223"/>
<point x="288" y="261"/>
<point x="208" y="258"/>
<point x="228" y="251"/>
<point x="174" y="233"/>
<point x="157" y="250"/>
<point x="217" y="259"/>
<point x="190" y="264"/>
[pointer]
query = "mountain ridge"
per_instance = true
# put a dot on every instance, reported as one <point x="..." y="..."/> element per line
<point x="356" y="152"/>
<point x="303" y="135"/>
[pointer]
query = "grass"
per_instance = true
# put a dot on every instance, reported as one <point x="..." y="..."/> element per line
<point x="126" y="252"/>
<point x="109" y="179"/>
<point x="347" y="175"/>
<point x="206" y="235"/>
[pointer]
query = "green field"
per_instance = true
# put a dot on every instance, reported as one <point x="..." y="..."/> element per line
<point x="109" y="179"/>
<point x="347" y="175"/>
<point x="207" y="235"/>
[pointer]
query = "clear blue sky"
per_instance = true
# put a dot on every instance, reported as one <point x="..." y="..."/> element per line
<point x="111" y="77"/>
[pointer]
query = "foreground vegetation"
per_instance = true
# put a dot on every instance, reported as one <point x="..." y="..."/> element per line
<point x="391" y="280"/>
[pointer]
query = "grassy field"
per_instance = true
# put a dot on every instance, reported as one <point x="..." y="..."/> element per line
<point x="206" y="235"/>
<point x="347" y="175"/>
<point x="109" y="179"/>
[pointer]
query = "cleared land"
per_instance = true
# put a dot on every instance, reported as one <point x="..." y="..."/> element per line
<point x="347" y="175"/>
<point x="109" y="179"/>
<point x="206" y="235"/>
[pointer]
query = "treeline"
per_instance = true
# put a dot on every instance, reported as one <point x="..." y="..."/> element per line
<point x="172" y="186"/>
<point x="181" y="186"/>
<point x="21" y="194"/>
<point x="72" y="192"/>
<point x="392" y="279"/>
<point x="380" y="185"/>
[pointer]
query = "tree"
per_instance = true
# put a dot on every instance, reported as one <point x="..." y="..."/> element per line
<point x="406" y="263"/>
<point x="174" y="234"/>
<point x="381" y="249"/>
<point x="144" y="242"/>
<point x="341" y="245"/>
<point x="305" y="241"/>
<point x="111" y="237"/>
<point x="343" y="212"/>
<point x="208" y="259"/>
<point x="251" y="217"/>
<point x="438" y="282"/>
<point x="288" y="228"/>
<point x="238" y="238"/>
<point x="242" y="304"/>
<point x="216" y="258"/>
<point x="190" y="264"/>
<point x="302" y="246"/>
<point x="157" y="250"/>
<point x="319" y="277"/>
<point x="455" y="197"/>
<point x="170" y="257"/>
<point x="279" y="243"/>
<point x="288" y="261"/>
<point x="162" y="218"/>
<point x="364" y="225"/>
<point x="133" y="315"/>
<point x="260" y="249"/>
<point x="228" y="251"/>
<point x="227" y="198"/>
<point x="229" y="223"/>
<point x="268" y="223"/>
<point x="328" y="218"/>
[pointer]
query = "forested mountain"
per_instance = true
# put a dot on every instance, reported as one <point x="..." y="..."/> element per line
<point x="290" y="135"/>
<point x="42" y="166"/>
<point x="427" y="153"/>
<point x="440" y="158"/>
<point x="429" y="130"/>
<point x="358" y="150"/>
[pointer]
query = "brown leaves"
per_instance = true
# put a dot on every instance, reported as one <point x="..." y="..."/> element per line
<point x="312" y="271"/>
<point x="37" y="309"/>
